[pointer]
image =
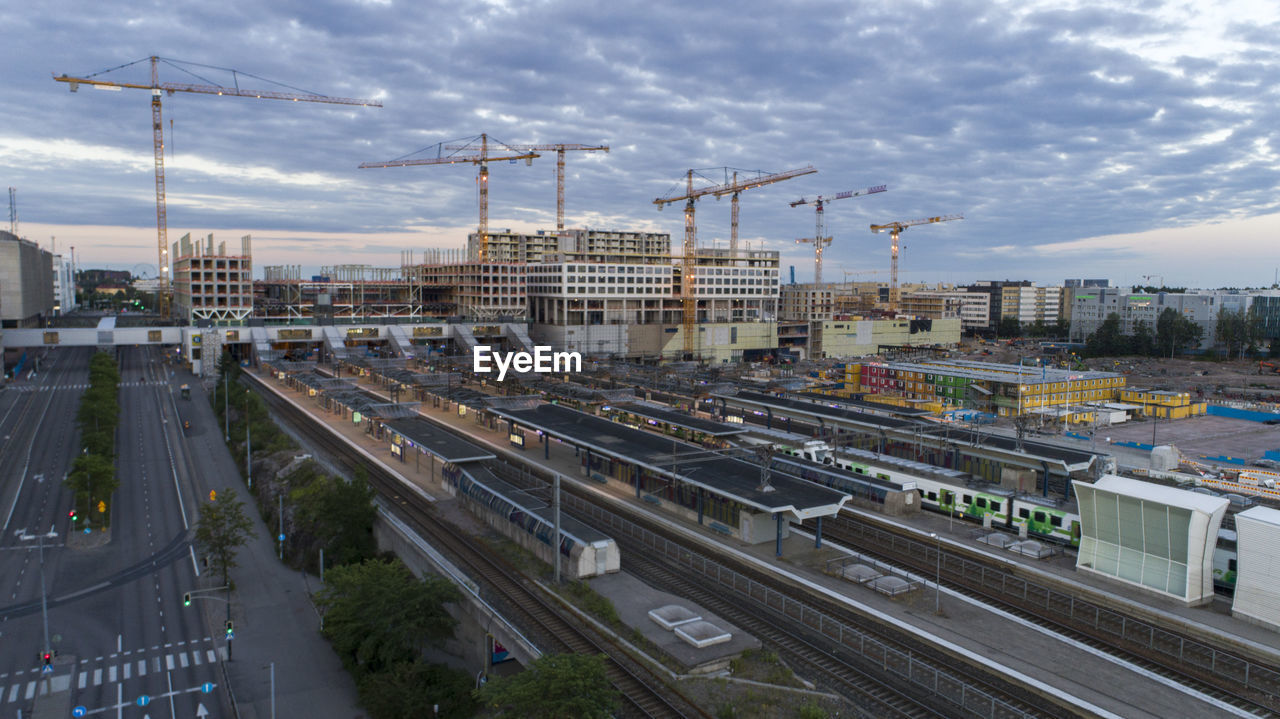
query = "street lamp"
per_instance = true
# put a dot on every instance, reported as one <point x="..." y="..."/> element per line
<point x="937" y="581"/>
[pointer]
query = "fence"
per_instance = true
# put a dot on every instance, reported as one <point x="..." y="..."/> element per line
<point x="1083" y="614"/>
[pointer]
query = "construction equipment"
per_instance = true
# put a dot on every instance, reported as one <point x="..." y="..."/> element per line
<point x="481" y="158"/>
<point x="689" y="196"/>
<point x="895" y="229"/>
<point x="560" y="150"/>
<point x="1265" y="367"/>
<point x="157" y="128"/>
<point x="820" y="239"/>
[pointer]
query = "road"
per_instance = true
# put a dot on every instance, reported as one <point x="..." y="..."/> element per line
<point x="126" y="645"/>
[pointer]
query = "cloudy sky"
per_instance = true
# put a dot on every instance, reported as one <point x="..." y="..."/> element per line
<point x="1079" y="139"/>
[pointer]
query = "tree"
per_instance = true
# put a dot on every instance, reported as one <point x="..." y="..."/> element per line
<point x="554" y="686"/>
<point x="1107" y="340"/>
<point x="378" y="614"/>
<point x="1009" y="327"/>
<point x="92" y="478"/>
<point x="337" y="515"/>
<point x="1142" y="342"/>
<point x="1238" y="330"/>
<point x="1175" y="332"/>
<point x="222" y="529"/>
<point x="405" y="688"/>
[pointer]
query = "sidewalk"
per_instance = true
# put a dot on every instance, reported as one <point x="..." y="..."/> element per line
<point x="274" y="618"/>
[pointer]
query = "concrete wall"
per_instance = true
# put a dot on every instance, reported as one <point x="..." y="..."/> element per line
<point x="26" y="282"/>
<point x="853" y="338"/>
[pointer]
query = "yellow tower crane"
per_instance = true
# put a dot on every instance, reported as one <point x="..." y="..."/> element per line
<point x="895" y="229"/>
<point x="688" y="287"/>
<point x="820" y="240"/>
<point x="479" y="155"/>
<point x="157" y="130"/>
<point x="560" y="150"/>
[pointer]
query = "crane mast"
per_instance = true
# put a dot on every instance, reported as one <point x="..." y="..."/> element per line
<point x="820" y="239"/>
<point x="157" y="135"/>
<point x="688" y="264"/>
<point x="895" y="229"/>
<point x="481" y="158"/>
<point x="560" y="149"/>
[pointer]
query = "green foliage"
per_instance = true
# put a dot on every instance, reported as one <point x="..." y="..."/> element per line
<point x="1009" y="327"/>
<point x="1173" y="332"/>
<point x="333" y="514"/>
<point x="378" y="614"/>
<point x="555" y="686"/>
<point x="223" y="527"/>
<point x="1238" y="331"/>
<point x="593" y="602"/>
<point x="810" y="710"/>
<point x="411" y="689"/>
<point x="92" y="478"/>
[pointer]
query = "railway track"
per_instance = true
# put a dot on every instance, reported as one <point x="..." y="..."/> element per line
<point x="889" y="693"/>
<point x="532" y="609"/>
<point x="854" y="533"/>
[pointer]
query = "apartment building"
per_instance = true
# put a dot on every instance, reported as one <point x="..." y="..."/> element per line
<point x="26" y="282"/>
<point x="579" y="244"/>
<point x="973" y="308"/>
<point x="210" y="286"/>
<point x="1030" y="303"/>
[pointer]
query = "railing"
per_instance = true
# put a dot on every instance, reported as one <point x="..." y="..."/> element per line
<point x="1248" y="676"/>
<point x="895" y="662"/>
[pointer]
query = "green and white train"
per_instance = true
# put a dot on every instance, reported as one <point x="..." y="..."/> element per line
<point x="954" y="492"/>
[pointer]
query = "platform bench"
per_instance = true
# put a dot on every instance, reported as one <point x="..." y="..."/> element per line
<point x="599" y="478"/>
<point x="718" y="527"/>
<point x="652" y="499"/>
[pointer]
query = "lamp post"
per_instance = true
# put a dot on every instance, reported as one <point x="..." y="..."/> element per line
<point x="248" y="443"/>
<point x="937" y="581"/>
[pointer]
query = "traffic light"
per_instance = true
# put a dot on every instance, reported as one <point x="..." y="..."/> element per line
<point x="230" y="627"/>
<point x="186" y="599"/>
<point x="72" y="514"/>
<point x="48" y="658"/>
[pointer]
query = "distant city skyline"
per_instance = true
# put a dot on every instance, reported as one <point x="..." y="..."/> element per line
<point x="1079" y="139"/>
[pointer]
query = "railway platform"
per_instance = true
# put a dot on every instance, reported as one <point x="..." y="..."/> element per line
<point x="1098" y="684"/>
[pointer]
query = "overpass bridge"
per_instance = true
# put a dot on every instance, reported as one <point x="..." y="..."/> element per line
<point x="260" y="343"/>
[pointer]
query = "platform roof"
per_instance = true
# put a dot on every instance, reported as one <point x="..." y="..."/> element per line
<point x="677" y="419"/>
<point x="1171" y="496"/>
<point x="722" y="475"/>
<point x="864" y="404"/>
<point x="810" y="409"/>
<point x="442" y="443"/>
<point x="533" y="503"/>
<point x="1072" y="458"/>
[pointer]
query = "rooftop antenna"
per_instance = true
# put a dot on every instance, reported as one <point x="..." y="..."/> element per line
<point x="13" y="211"/>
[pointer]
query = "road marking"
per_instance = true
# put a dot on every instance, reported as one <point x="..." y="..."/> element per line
<point x="97" y="676"/>
<point x="182" y="659"/>
<point x="126" y="669"/>
<point x="13" y="692"/>
<point x="168" y="661"/>
<point x="111" y="673"/>
<point x="212" y="657"/>
<point x="31" y="691"/>
<point x="195" y="657"/>
<point x="60" y="684"/>
<point x="142" y="667"/>
<point x="84" y="679"/>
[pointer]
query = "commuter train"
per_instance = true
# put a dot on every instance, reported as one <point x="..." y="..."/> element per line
<point x="952" y="491"/>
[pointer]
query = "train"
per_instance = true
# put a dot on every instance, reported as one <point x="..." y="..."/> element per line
<point x="951" y="491"/>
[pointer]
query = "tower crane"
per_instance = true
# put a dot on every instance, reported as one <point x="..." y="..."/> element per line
<point x="689" y="196"/>
<point x="560" y="150"/>
<point x="481" y="158"/>
<point x="157" y="129"/>
<point x="895" y="229"/>
<point x="820" y="240"/>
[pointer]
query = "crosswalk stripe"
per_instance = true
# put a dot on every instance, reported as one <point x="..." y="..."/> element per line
<point x="127" y="668"/>
<point x="84" y="679"/>
<point x="195" y="657"/>
<point x="168" y="661"/>
<point x="111" y="673"/>
<point x="97" y="676"/>
<point x="157" y="663"/>
<point x="142" y="667"/>
<point x="31" y="690"/>
<point x="182" y="659"/>
<point x="13" y="692"/>
<point x="212" y="657"/>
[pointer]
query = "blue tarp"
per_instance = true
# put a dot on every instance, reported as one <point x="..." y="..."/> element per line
<point x="1251" y="415"/>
